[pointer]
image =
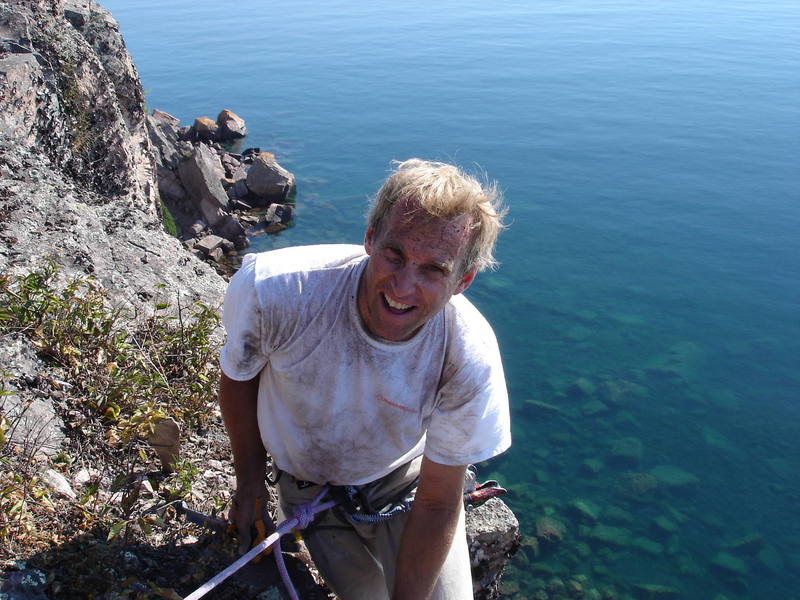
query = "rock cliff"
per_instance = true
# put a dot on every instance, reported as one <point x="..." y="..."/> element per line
<point x="76" y="163"/>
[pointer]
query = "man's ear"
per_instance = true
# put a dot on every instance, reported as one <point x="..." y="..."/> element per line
<point x="465" y="281"/>
<point x="368" y="240"/>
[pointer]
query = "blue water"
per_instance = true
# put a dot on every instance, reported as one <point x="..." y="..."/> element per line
<point x="649" y="155"/>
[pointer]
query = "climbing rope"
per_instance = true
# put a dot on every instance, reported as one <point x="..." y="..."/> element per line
<point x="304" y="515"/>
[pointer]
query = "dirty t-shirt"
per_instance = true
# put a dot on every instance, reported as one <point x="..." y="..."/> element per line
<point x="336" y="405"/>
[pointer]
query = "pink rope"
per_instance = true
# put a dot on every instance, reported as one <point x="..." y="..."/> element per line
<point x="306" y="515"/>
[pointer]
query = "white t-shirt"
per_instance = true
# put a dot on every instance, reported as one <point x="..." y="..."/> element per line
<point x="336" y="405"/>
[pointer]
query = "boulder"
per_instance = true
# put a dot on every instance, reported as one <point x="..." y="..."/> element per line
<point x="751" y="543"/>
<point x="169" y="186"/>
<point x="162" y="128"/>
<point x="674" y="478"/>
<point x="626" y="453"/>
<point x="209" y="243"/>
<point x="610" y="536"/>
<point x="268" y="180"/>
<point x="205" y="129"/>
<point x="201" y="174"/>
<point x="166" y="441"/>
<point x="638" y="486"/>
<point x="550" y="531"/>
<point x="651" y="591"/>
<point x="584" y="510"/>
<point x="492" y="538"/>
<point x="217" y="255"/>
<point x="26" y="584"/>
<point x="231" y="126"/>
<point x="728" y="564"/>
<point x="36" y="429"/>
<point x="59" y="484"/>
<point x="279" y="213"/>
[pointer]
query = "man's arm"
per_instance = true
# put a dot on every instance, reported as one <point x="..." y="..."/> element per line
<point x="429" y="531"/>
<point x="238" y="401"/>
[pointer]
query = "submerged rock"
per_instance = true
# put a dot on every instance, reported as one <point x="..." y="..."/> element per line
<point x="550" y="531"/>
<point x="649" y="591"/>
<point x="674" y="478"/>
<point x="626" y="453"/>
<point x="728" y="564"/>
<point x="611" y="536"/>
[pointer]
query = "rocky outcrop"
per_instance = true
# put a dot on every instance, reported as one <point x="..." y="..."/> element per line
<point x="76" y="164"/>
<point x="212" y="191"/>
<point x="493" y="537"/>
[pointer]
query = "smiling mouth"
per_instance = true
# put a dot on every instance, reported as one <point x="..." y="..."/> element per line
<point x="397" y="308"/>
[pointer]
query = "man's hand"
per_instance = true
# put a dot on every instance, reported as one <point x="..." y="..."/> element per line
<point x="429" y="532"/>
<point x="238" y="401"/>
<point x="249" y="505"/>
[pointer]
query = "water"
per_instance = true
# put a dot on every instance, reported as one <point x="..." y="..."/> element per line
<point x="650" y="283"/>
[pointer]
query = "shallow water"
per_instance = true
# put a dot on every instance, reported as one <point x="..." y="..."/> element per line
<point x="650" y="285"/>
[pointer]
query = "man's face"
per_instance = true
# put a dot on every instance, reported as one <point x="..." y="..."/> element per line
<point x="415" y="266"/>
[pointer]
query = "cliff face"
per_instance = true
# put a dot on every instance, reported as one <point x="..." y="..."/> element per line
<point x="76" y="166"/>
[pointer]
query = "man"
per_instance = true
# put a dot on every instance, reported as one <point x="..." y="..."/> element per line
<point x="369" y="370"/>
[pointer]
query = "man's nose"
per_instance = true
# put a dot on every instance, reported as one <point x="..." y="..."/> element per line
<point x="404" y="281"/>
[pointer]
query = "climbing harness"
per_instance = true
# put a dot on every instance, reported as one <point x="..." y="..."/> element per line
<point x="353" y="503"/>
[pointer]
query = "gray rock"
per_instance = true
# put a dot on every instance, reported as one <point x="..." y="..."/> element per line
<point x="626" y="452"/>
<point x="162" y="128"/>
<point x="674" y="478"/>
<point x="268" y="180"/>
<point x="166" y="441"/>
<point x="217" y="255"/>
<point x="205" y="129"/>
<point x="27" y="584"/>
<point x="59" y="484"/>
<point x="279" y="213"/>
<point x="200" y="175"/>
<point x="231" y="126"/>
<point x="493" y="537"/>
<point x="209" y="243"/>
<point x="35" y="429"/>
<point x="169" y="186"/>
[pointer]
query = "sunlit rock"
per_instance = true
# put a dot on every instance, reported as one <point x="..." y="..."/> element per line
<point x="231" y="126"/>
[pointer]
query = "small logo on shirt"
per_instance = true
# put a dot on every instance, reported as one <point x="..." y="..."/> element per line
<point x="401" y="407"/>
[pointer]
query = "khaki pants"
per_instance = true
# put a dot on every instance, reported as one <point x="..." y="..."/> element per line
<point x="357" y="560"/>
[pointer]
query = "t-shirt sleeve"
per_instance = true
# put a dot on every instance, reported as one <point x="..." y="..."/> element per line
<point x="470" y="422"/>
<point x="243" y="355"/>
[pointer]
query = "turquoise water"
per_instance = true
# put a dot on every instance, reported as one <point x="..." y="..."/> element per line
<point x="650" y="285"/>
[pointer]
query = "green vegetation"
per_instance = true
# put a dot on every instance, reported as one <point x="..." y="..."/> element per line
<point x="117" y="376"/>
<point x="169" y="222"/>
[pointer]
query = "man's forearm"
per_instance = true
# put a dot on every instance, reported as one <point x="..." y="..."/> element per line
<point x="429" y="531"/>
<point x="239" y="401"/>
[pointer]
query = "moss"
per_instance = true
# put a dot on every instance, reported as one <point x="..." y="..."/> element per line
<point x="169" y="222"/>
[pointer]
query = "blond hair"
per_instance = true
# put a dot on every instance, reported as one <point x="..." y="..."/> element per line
<point x="446" y="192"/>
